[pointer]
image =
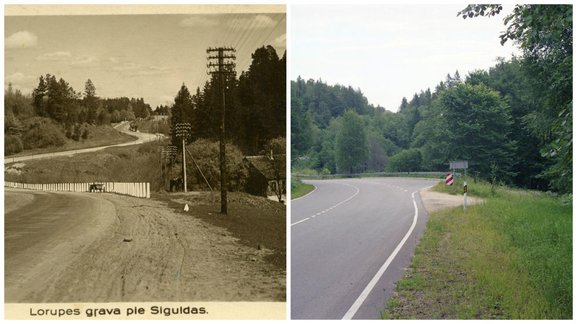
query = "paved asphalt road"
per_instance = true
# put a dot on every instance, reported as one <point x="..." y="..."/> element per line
<point x="123" y="127"/>
<point x="345" y="246"/>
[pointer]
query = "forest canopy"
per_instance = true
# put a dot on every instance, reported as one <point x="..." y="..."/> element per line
<point x="512" y="122"/>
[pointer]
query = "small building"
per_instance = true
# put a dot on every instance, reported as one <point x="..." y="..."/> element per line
<point x="266" y="175"/>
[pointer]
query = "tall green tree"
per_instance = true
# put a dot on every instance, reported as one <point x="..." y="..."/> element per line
<point x="351" y="144"/>
<point x="544" y="33"/>
<point x="471" y="122"/>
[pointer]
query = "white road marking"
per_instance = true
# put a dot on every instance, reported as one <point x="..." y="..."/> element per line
<point x="360" y="300"/>
<point x="306" y="194"/>
<point x="301" y="221"/>
<point x="338" y="204"/>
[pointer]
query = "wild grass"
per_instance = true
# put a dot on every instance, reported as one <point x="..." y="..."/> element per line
<point x="98" y="136"/>
<point x="299" y="189"/>
<point x="509" y="258"/>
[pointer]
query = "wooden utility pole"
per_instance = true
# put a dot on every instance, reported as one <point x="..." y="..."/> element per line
<point x="167" y="156"/>
<point x="222" y="67"/>
<point x="183" y="131"/>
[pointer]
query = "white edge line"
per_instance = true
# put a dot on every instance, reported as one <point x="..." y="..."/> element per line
<point x="360" y="300"/>
<point x="300" y="221"/>
<point x="305" y="194"/>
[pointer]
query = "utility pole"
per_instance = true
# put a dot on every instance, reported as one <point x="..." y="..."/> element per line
<point x="183" y="131"/>
<point x="167" y="156"/>
<point x="222" y="66"/>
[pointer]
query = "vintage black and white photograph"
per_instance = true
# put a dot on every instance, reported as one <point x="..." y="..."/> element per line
<point x="145" y="153"/>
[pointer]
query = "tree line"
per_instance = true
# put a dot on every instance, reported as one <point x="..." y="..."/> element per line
<point x="513" y="122"/>
<point x="55" y="112"/>
<point x="255" y="105"/>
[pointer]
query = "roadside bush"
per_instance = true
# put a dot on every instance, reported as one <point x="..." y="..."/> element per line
<point x="42" y="132"/>
<point x="207" y="155"/>
<point x="12" y="144"/>
<point x="405" y="161"/>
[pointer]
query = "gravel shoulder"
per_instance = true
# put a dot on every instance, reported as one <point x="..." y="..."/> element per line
<point x="434" y="201"/>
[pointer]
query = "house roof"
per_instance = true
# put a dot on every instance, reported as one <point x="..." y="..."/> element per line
<point x="270" y="169"/>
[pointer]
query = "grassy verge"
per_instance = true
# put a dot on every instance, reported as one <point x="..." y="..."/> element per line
<point x="98" y="136"/>
<point x="137" y="163"/>
<point x="509" y="258"/>
<point x="299" y="188"/>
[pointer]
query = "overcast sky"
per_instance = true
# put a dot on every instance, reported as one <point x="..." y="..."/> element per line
<point x="147" y="56"/>
<point x="391" y="51"/>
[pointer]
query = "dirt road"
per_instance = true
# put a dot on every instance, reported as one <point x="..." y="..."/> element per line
<point x="123" y="127"/>
<point x="63" y="247"/>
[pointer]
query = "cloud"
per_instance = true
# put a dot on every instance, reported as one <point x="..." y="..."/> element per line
<point x="125" y="66"/>
<point x="21" y="39"/>
<point x="151" y="70"/>
<point x="20" y="80"/>
<point x="198" y="21"/>
<point x="165" y="99"/>
<point x="279" y="41"/>
<point x="85" y="61"/>
<point x="134" y="69"/>
<point x="55" y="56"/>
<point x="256" y="22"/>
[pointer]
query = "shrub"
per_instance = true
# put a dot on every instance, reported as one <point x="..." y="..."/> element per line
<point x="405" y="161"/>
<point x="42" y="132"/>
<point x="207" y="156"/>
<point x="12" y="144"/>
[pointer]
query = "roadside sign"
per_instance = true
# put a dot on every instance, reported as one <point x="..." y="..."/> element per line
<point x="458" y="164"/>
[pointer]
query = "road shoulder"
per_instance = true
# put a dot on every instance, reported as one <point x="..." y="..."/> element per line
<point x="435" y="201"/>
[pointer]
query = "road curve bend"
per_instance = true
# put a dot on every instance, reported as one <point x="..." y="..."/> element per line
<point x="44" y="232"/>
<point x="350" y="241"/>
<point x="123" y="127"/>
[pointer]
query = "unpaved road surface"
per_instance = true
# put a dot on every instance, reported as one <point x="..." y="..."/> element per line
<point x="81" y="247"/>
<point x="434" y="201"/>
<point x="123" y="127"/>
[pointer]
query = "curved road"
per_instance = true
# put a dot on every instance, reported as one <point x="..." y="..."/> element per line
<point x="44" y="232"/>
<point x="123" y="127"/>
<point x="350" y="240"/>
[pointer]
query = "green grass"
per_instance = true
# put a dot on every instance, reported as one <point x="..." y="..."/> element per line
<point x="299" y="188"/>
<point x="509" y="258"/>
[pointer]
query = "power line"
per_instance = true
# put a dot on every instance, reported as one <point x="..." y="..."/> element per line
<point x="223" y="67"/>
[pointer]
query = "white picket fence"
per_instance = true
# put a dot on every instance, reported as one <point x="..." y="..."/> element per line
<point x="135" y="189"/>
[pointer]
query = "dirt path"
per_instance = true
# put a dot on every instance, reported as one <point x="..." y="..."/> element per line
<point x="434" y="201"/>
<point x="122" y="127"/>
<point x="151" y="253"/>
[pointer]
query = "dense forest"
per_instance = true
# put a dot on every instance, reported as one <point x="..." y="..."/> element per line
<point x="255" y="105"/>
<point x="513" y="123"/>
<point x="55" y="112"/>
<point x="255" y="114"/>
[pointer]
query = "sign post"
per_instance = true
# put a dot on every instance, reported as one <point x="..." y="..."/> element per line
<point x="465" y="194"/>
<point x="462" y="164"/>
<point x="449" y="179"/>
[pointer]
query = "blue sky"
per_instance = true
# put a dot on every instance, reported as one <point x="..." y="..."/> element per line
<point x="391" y="51"/>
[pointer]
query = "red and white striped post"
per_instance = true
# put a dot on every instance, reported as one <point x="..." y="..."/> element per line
<point x="449" y="179"/>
